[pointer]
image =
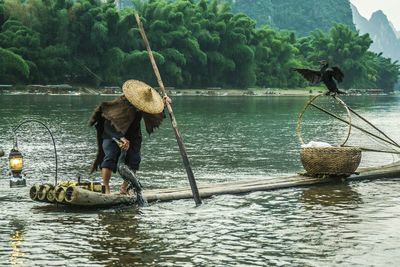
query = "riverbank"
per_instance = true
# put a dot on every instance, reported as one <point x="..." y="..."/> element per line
<point x="245" y="92"/>
<point x="65" y="89"/>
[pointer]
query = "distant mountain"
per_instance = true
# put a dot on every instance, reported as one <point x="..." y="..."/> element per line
<point x="259" y="10"/>
<point x="360" y="22"/>
<point x="382" y="32"/>
<point x="395" y="30"/>
<point x="301" y="17"/>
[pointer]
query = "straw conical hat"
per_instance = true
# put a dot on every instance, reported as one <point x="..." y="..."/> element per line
<point x="143" y="97"/>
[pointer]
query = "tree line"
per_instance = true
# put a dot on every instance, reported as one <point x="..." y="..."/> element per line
<point x="196" y="44"/>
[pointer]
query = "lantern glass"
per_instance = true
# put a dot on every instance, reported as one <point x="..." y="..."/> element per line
<point x="15" y="161"/>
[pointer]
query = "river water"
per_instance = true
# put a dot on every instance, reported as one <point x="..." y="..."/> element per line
<point x="228" y="139"/>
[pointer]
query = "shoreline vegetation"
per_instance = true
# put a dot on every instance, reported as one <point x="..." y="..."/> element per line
<point x="65" y="89"/>
<point x="196" y="44"/>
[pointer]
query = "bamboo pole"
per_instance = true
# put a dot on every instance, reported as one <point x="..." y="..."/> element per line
<point x="271" y="183"/>
<point x="79" y="196"/>
<point x="355" y="126"/>
<point x="178" y="136"/>
<point x="373" y="126"/>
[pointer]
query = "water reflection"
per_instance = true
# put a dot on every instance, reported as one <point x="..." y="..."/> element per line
<point x="339" y="195"/>
<point x="122" y="240"/>
<point x="16" y="240"/>
<point x="338" y="224"/>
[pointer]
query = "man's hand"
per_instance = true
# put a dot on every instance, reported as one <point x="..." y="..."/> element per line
<point x="125" y="143"/>
<point x="166" y="100"/>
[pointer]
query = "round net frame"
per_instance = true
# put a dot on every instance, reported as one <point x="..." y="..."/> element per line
<point x="310" y="103"/>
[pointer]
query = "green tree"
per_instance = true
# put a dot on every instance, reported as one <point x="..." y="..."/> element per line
<point x="195" y="43"/>
<point x="12" y="67"/>
<point x="275" y="54"/>
<point x="388" y="72"/>
<point x="342" y="47"/>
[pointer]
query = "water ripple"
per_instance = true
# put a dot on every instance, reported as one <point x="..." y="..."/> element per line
<point x="344" y="224"/>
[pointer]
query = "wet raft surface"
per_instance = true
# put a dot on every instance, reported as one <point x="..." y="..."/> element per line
<point x="78" y="196"/>
<point x="273" y="183"/>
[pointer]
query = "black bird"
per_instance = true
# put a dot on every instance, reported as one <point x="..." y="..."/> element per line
<point x="129" y="176"/>
<point x="326" y="75"/>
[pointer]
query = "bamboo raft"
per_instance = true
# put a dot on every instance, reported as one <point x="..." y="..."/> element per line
<point x="274" y="183"/>
<point x="79" y="196"/>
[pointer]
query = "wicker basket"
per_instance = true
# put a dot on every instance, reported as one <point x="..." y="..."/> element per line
<point x="337" y="161"/>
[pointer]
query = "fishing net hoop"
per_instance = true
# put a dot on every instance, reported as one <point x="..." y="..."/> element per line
<point x="309" y="103"/>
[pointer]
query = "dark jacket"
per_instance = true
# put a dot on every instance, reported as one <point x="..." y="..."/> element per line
<point x="125" y="119"/>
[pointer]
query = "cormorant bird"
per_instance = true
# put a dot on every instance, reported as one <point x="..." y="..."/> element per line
<point x="129" y="176"/>
<point x="326" y="75"/>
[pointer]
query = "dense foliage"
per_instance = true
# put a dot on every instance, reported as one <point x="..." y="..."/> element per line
<point x="195" y="43"/>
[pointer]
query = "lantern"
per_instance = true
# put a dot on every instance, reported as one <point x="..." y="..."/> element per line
<point x="16" y="163"/>
<point x="15" y="158"/>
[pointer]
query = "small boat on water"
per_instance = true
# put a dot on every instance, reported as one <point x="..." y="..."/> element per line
<point x="88" y="195"/>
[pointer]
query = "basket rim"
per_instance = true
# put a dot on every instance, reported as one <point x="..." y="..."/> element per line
<point x="333" y="148"/>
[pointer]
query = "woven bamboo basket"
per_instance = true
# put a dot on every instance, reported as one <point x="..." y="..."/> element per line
<point x="338" y="160"/>
<point x="335" y="161"/>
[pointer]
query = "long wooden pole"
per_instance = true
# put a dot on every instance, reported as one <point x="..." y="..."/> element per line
<point x="373" y="126"/>
<point x="178" y="136"/>
<point x="355" y="126"/>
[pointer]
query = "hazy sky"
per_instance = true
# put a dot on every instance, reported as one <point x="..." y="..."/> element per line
<point x="390" y="7"/>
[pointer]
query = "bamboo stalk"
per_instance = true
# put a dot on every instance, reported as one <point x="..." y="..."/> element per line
<point x="272" y="183"/>
<point x="59" y="193"/>
<point x="51" y="195"/>
<point x="33" y="192"/>
<point x="179" y="139"/>
<point x="43" y="189"/>
<point x="79" y="196"/>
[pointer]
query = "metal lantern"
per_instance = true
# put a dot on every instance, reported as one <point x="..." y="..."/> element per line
<point x="15" y="157"/>
<point x="16" y="164"/>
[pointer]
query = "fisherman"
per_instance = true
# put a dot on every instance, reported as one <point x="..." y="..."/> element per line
<point x="120" y="119"/>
